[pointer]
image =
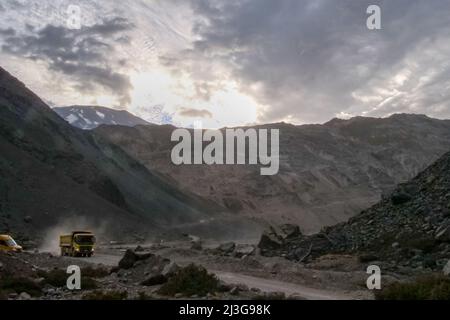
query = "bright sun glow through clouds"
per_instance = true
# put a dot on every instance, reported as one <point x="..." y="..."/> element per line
<point x="225" y="106"/>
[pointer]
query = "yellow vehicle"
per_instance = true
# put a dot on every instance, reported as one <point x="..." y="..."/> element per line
<point x="77" y="244"/>
<point x="7" y="243"/>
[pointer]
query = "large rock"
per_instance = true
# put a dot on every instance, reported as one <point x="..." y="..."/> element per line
<point x="314" y="246"/>
<point x="139" y="249"/>
<point x="28" y="219"/>
<point x="154" y="280"/>
<point x="446" y="269"/>
<point x="197" y="245"/>
<point x="270" y="240"/>
<point x="227" y="248"/>
<point x="24" y="296"/>
<point x="300" y="253"/>
<point x="170" y="269"/>
<point x="276" y="237"/>
<point x="244" y="250"/>
<point x="290" y="231"/>
<point x="130" y="258"/>
<point x="155" y="265"/>
<point x="399" y="198"/>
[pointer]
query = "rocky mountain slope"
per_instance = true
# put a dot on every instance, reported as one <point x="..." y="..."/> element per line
<point x="53" y="174"/>
<point x="87" y="117"/>
<point x="409" y="228"/>
<point x="328" y="173"/>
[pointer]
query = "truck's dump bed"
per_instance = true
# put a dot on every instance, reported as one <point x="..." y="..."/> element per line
<point x="65" y="240"/>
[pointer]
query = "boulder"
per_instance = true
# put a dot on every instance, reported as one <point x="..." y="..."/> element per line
<point x="139" y="249"/>
<point x="24" y="296"/>
<point x="226" y="248"/>
<point x="223" y="286"/>
<point x="170" y="269"/>
<point x="155" y="265"/>
<point x="446" y="269"/>
<point x="13" y="295"/>
<point x="27" y="219"/>
<point x="312" y="246"/>
<point x="234" y="291"/>
<point x="301" y="253"/>
<point x="196" y="245"/>
<point x="154" y="280"/>
<point x="244" y="250"/>
<point x="130" y="258"/>
<point x="270" y="240"/>
<point x="144" y="256"/>
<point x="290" y="231"/>
<point x="399" y="198"/>
<point x="276" y="237"/>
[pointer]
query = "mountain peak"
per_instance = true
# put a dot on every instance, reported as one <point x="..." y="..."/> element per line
<point x="90" y="117"/>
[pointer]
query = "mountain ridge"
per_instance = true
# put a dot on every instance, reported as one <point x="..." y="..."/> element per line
<point x="90" y="117"/>
<point x="328" y="173"/>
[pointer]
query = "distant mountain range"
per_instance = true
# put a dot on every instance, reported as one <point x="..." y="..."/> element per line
<point x="90" y="117"/>
<point x="328" y="173"/>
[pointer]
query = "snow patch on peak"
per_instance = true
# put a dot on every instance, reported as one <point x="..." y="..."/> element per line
<point x="101" y="115"/>
<point x="71" y="118"/>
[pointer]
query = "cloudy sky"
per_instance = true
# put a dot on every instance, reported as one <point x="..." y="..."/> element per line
<point x="230" y="63"/>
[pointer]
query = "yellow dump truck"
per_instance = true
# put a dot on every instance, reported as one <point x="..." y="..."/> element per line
<point x="7" y="243"/>
<point x="77" y="244"/>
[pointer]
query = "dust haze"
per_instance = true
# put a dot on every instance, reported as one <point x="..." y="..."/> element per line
<point x="50" y="243"/>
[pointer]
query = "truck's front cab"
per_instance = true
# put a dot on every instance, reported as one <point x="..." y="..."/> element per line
<point x="83" y="244"/>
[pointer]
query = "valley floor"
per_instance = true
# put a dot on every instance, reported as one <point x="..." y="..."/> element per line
<point x="329" y="278"/>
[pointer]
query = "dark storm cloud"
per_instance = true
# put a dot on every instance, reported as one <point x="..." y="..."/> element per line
<point x="84" y="54"/>
<point x="7" y="32"/>
<point x="314" y="59"/>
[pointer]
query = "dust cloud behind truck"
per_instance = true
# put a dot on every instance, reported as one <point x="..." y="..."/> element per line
<point x="77" y="244"/>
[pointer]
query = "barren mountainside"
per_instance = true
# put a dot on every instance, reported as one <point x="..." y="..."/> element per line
<point x="328" y="173"/>
<point x="409" y="229"/>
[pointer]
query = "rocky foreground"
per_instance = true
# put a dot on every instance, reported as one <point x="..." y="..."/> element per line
<point x="139" y="275"/>
<point x="155" y="271"/>
<point x="408" y="231"/>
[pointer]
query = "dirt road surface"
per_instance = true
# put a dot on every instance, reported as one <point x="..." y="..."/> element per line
<point x="270" y="285"/>
<point x="265" y="285"/>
